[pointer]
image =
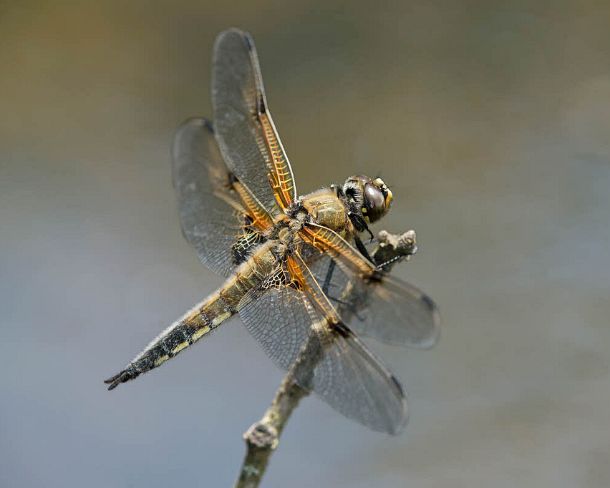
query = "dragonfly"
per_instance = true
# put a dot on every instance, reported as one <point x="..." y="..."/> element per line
<point x="295" y="266"/>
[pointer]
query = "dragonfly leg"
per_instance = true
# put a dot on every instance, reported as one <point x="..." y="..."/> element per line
<point x="326" y="286"/>
<point x="360" y="223"/>
<point x="362" y="248"/>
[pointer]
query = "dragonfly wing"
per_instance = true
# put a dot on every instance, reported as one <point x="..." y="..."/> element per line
<point x="347" y="376"/>
<point x="392" y="311"/>
<point x="245" y="131"/>
<point x="276" y="316"/>
<point x="214" y="217"/>
<point x="383" y="308"/>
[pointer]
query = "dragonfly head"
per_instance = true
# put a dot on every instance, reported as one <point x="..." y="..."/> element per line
<point x="371" y="198"/>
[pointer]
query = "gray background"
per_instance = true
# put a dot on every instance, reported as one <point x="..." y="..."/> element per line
<point x="489" y="119"/>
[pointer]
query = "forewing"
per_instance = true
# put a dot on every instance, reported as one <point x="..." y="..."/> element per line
<point x="212" y="216"/>
<point x="383" y="308"/>
<point x="347" y="376"/>
<point x="245" y="131"/>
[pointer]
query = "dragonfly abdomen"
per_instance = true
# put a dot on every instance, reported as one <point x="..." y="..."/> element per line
<point x="185" y="331"/>
<point x="201" y="319"/>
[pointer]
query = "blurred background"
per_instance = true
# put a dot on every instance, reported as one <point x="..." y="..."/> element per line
<point x="491" y="122"/>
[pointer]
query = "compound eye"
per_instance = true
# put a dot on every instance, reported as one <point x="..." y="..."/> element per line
<point x="373" y="196"/>
<point x="375" y="202"/>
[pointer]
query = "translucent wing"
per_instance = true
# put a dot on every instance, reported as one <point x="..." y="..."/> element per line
<point x="347" y="376"/>
<point x="215" y="218"/>
<point x="245" y="131"/>
<point x="384" y="308"/>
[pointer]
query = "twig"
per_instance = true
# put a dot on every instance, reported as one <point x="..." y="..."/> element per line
<point x="262" y="438"/>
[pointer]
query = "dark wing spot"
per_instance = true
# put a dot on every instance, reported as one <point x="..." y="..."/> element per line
<point x="376" y="276"/>
<point x="295" y="285"/>
<point x="261" y="106"/>
<point x="342" y="329"/>
<point x="242" y="248"/>
<point x="208" y="125"/>
<point x="397" y="385"/>
<point x="429" y="302"/>
<point x="249" y="41"/>
<point x="232" y="178"/>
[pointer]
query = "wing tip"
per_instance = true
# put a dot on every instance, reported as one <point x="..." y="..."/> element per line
<point x="343" y="330"/>
<point x="401" y="425"/>
<point x="197" y="122"/>
<point x="435" y="317"/>
<point x="240" y="33"/>
<point x="430" y="304"/>
<point x="187" y="130"/>
<point x="402" y="419"/>
<point x="188" y="133"/>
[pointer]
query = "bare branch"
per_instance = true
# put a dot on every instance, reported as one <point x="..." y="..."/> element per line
<point x="263" y="436"/>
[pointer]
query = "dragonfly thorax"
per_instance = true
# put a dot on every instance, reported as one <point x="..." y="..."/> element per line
<point x="326" y="207"/>
<point x="286" y="235"/>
